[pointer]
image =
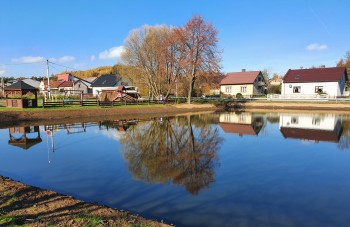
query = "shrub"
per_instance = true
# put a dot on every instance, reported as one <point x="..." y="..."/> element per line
<point x="239" y="96"/>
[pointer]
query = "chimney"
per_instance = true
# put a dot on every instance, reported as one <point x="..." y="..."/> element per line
<point x="323" y="66"/>
<point x="243" y="70"/>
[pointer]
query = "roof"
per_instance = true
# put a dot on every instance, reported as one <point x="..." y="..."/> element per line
<point x="31" y="82"/>
<point x="241" y="129"/>
<point x="106" y="80"/>
<point x="240" y="77"/>
<point x="310" y="134"/>
<point x="55" y="84"/>
<point x="315" y="75"/>
<point x="20" y="85"/>
<point x="66" y="84"/>
<point x="25" y="144"/>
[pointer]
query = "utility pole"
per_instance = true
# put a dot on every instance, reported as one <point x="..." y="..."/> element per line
<point x="48" y="77"/>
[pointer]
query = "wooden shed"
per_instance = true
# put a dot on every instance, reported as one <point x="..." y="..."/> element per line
<point x="21" y="95"/>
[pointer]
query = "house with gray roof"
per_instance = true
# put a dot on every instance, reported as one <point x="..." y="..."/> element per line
<point x="108" y="82"/>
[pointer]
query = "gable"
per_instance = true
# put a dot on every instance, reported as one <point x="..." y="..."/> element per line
<point x="334" y="74"/>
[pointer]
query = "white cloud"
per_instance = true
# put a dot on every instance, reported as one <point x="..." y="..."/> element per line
<point x="92" y="58"/>
<point x="316" y="47"/>
<point x="112" y="53"/>
<point x="28" y="59"/>
<point x="63" y="59"/>
<point x="66" y="59"/>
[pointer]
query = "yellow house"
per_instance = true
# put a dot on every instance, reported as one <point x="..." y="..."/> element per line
<point x="247" y="83"/>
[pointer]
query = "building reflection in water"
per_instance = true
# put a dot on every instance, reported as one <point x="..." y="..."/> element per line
<point x="24" y="137"/>
<point x="244" y="123"/>
<point x="316" y="128"/>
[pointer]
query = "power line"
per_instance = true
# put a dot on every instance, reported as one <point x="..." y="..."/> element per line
<point x="64" y="66"/>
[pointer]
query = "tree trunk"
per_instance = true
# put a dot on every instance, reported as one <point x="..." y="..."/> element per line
<point x="189" y="92"/>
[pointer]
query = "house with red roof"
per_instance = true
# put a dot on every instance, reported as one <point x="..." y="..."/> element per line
<point x="248" y="83"/>
<point x="330" y="81"/>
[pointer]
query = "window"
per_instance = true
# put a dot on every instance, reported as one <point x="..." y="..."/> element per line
<point x="227" y="117"/>
<point x="316" y="121"/>
<point x="296" y="89"/>
<point x="242" y="118"/>
<point x="243" y="89"/>
<point x="294" y="120"/>
<point x="228" y="89"/>
<point x="318" y="89"/>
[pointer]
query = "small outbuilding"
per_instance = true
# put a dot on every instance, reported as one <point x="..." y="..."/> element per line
<point x="21" y="95"/>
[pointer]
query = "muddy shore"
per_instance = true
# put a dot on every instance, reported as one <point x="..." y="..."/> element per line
<point x="21" y="204"/>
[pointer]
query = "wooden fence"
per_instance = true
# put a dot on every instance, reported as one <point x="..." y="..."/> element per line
<point x="74" y="102"/>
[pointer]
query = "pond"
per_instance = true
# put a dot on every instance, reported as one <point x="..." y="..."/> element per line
<point x="220" y="169"/>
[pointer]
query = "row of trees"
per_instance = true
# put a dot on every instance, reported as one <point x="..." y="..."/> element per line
<point x="165" y="57"/>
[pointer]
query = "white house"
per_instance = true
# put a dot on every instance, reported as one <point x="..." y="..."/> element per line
<point x="248" y="83"/>
<point x="108" y="82"/>
<point x="330" y="81"/>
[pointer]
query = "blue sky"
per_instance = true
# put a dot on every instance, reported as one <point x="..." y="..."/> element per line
<point x="253" y="34"/>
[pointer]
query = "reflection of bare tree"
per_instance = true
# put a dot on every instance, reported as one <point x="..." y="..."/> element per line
<point x="173" y="150"/>
<point x="344" y="141"/>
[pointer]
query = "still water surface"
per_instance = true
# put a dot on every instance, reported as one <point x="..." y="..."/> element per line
<point x="222" y="169"/>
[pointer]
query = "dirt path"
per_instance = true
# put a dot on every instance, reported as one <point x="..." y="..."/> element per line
<point x="30" y="206"/>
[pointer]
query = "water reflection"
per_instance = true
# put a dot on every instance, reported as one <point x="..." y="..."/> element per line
<point x="311" y="127"/>
<point x="266" y="177"/>
<point x="244" y="123"/>
<point x="24" y="137"/>
<point x="181" y="150"/>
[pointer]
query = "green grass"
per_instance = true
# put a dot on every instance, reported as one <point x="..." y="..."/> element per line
<point x="91" y="221"/>
<point x="9" y="221"/>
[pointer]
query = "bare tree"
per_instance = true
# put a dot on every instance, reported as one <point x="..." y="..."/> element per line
<point x="153" y="50"/>
<point x="198" y="40"/>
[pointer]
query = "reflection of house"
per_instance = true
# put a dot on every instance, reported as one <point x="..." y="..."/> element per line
<point x="241" y="123"/>
<point x="247" y="83"/>
<point x="24" y="137"/>
<point x="311" y="127"/>
<point x="313" y="81"/>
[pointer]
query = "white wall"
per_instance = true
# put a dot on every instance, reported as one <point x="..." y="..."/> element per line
<point x="232" y="117"/>
<point x="331" y="88"/>
<point x="319" y="122"/>
<point x="97" y="90"/>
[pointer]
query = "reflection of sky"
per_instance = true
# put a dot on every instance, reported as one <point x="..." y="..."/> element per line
<point x="261" y="180"/>
<point x="112" y="133"/>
